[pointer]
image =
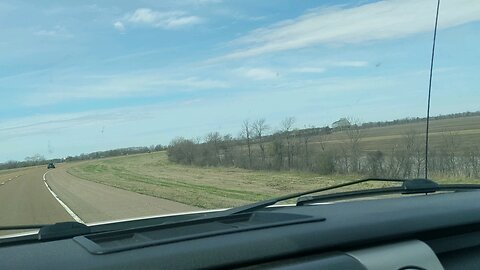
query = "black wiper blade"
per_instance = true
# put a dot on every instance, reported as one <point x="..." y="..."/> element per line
<point x="63" y="230"/>
<point x="263" y="204"/>
<point x="22" y="227"/>
<point x="53" y="231"/>
<point x="414" y="186"/>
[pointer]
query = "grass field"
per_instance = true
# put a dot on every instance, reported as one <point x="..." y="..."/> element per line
<point x="466" y="130"/>
<point x="216" y="187"/>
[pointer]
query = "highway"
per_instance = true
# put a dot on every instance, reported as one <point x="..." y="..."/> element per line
<point x="40" y="196"/>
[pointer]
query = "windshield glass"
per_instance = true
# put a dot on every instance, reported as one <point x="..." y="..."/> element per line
<point x="121" y="109"/>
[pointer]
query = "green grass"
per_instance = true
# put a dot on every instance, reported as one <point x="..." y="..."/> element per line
<point x="218" y="187"/>
<point x="215" y="187"/>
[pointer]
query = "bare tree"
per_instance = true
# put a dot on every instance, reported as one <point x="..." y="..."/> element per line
<point x="247" y="135"/>
<point x="471" y="162"/>
<point x="311" y="131"/>
<point x="213" y="142"/>
<point x="415" y="149"/>
<point x="226" y="157"/>
<point x="182" y="150"/>
<point x="448" y="150"/>
<point x="287" y="125"/>
<point x="259" y="129"/>
<point x="354" y="136"/>
<point x="322" y="137"/>
<point x="374" y="163"/>
<point x="277" y="152"/>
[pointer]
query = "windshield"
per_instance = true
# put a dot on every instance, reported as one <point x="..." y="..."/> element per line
<point x="120" y="109"/>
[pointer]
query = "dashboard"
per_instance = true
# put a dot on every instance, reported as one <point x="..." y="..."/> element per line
<point x="439" y="231"/>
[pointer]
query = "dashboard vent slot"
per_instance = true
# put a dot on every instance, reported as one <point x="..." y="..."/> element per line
<point x="108" y="242"/>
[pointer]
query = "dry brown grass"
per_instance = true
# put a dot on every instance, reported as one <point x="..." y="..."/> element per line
<point x="214" y="187"/>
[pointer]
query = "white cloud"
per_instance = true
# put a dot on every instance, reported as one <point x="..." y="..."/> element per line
<point x="208" y="1"/>
<point x="326" y="65"/>
<point x="370" y="22"/>
<point x="144" y="84"/>
<point x="119" y="26"/>
<point x="50" y="33"/>
<point x="257" y="73"/>
<point x="57" y="31"/>
<point x="166" y="20"/>
<point x="309" y="70"/>
<point x="351" y="64"/>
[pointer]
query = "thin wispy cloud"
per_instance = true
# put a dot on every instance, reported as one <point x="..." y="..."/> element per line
<point x="257" y="73"/>
<point x="340" y="25"/>
<point x="122" y="86"/>
<point x="208" y="1"/>
<point x="143" y="73"/>
<point x="309" y="70"/>
<point x="157" y="19"/>
<point x="351" y="64"/>
<point x="326" y="65"/>
<point x="51" y="124"/>
<point x="57" y="31"/>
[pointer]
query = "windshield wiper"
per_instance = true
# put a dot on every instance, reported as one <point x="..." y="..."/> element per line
<point x="53" y="231"/>
<point x="263" y="204"/>
<point x="22" y="227"/>
<point x="384" y="191"/>
<point x="409" y="186"/>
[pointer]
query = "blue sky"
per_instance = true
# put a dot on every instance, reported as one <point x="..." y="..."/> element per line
<point x="82" y="76"/>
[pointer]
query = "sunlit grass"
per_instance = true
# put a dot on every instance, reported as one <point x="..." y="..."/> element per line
<point x="211" y="187"/>
<point x="214" y="187"/>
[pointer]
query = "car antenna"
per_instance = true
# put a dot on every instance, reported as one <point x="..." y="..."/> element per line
<point x="430" y="89"/>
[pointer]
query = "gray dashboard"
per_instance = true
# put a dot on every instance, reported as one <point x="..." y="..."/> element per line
<point x="424" y="231"/>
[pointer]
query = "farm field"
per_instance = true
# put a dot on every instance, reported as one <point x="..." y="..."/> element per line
<point x="466" y="131"/>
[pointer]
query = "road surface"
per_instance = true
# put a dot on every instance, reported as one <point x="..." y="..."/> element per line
<point x="25" y="198"/>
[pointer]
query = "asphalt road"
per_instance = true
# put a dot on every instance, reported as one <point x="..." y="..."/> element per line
<point x="25" y="199"/>
<point x="94" y="202"/>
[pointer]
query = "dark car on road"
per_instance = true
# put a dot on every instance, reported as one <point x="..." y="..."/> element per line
<point x="51" y="166"/>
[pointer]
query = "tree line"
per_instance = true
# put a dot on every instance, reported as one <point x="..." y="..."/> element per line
<point x="259" y="147"/>
<point x="116" y="152"/>
<point x="38" y="159"/>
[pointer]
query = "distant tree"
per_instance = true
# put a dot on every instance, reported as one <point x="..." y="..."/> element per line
<point x="354" y="136"/>
<point x="286" y="128"/>
<point x="213" y="142"/>
<point x="159" y="147"/>
<point x="447" y="156"/>
<point x="374" y="163"/>
<point x="35" y="158"/>
<point x="277" y="152"/>
<point x="259" y="129"/>
<point x="226" y="146"/>
<point x="181" y="150"/>
<point x="246" y="134"/>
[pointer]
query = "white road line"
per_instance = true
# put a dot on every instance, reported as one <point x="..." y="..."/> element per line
<point x="69" y="211"/>
<point x="10" y="179"/>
